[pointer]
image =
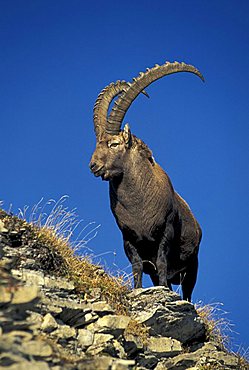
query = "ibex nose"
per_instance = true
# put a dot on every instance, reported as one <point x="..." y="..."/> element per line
<point x="92" y="165"/>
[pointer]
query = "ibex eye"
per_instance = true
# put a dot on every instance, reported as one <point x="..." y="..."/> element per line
<point x="114" y="145"/>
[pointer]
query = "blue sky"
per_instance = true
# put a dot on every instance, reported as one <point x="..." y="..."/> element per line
<point x="57" y="55"/>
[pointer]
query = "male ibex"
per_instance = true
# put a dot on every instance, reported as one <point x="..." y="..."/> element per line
<point x="161" y="236"/>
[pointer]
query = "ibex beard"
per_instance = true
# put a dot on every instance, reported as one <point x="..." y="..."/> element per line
<point x="161" y="236"/>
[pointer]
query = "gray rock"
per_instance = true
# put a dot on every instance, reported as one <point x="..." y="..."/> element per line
<point x="116" y="349"/>
<point x="166" y="315"/>
<point x="96" y="363"/>
<point x="2" y="227"/>
<point x="208" y="356"/>
<point x="64" y="332"/>
<point x="5" y="295"/>
<point x="102" y="308"/>
<point x="30" y="277"/>
<point x="21" y="335"/>
<point x="24" y="294"/>
<point x="100" y="338"/>
<point x="164" y="347"/>
<point x="123" y="364"/>
<point x="111" y="324"/>
<point x="147" y="360"/>
<point x="85" y="338"/>
<point x="34" y="365"/>
<point x="100" y="343"/>
<point x="36" y="348"/>
<point x="142" y="297"/>
<point x="132" y="344"/>
<point x="49" y="323"/>
<point x="77" y="317"/>
<point x="52" y="282"/>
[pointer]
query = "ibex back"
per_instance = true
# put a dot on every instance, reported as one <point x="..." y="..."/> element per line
<point x="161" y="235"/>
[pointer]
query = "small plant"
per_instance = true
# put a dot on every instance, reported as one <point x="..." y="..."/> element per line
<point x="218" y="327"/>
<point x="138" y="330"/>
<point x="243" y="358"/>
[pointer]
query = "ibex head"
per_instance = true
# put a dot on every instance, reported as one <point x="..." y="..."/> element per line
<point x="112" y="142"/>
<point x="109" y="156"/>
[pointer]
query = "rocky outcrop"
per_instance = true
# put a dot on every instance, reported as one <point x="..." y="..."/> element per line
<point x="45" y="323"/>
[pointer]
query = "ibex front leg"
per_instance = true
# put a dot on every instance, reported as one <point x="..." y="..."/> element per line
<point x="162" y="254"/>
<point x="136" y="262"/>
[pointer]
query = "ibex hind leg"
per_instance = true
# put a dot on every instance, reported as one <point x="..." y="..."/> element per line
<point x="189" y="279"/>
<point x="155" y="281"/>
<point x="154" y="278"/>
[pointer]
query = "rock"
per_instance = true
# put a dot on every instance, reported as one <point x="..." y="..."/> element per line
<point x="2" y="227"/>
<point x="100" y="339"/>
<point x="49" y="323"/>
<point x="24" y="294"/>
<point x="123" y="364"/>
<point x="52" y="282"/>
<point x="23" y="335"/>
<point x="37" y="365"/>
<point x="85" y="338"/>
<point x="96" y="363"/>
<point x="166" y="315"/>
<point x="164" y="347"/>
<point x="30" y="277"/>
<point x="147" y="361"/>
<point x="132" y="344"/>
<point x="206" y="357"/>
<point x="5" y="295"/>
<point x="36" y="348"/>
<point x="99" y="343"/>
<point x="35" y="320"/>
<point x="77" y="317"/>
<point x="116" y="349"/>
<point x="64" y="332"/>
<point x="111" y="324"/>
<point x="102" y="308"/>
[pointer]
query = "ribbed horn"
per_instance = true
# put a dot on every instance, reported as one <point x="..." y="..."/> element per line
<point x="102" y="103"/>
<point x="140" y="83"/>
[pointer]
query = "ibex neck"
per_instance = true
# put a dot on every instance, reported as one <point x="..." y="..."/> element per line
<point x="135" y="182"/>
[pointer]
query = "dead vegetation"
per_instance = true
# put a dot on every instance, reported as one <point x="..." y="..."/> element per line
<point x="218" y="327"/>
<point x="220" y="330"/>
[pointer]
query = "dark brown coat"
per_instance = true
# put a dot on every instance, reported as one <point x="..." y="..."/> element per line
<point x="161" y="235"/>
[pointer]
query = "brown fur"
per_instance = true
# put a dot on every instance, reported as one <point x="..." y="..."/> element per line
<point x="161" y="235"/>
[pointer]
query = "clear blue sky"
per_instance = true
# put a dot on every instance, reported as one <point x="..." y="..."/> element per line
<point x="57" y="55"/>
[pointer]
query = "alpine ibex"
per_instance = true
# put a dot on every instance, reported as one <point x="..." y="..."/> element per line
<point x="161" y="235"/>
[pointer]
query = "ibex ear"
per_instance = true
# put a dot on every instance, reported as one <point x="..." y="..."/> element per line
<point x="127" y="134"/>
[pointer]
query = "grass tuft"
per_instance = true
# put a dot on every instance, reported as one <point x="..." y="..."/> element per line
<point x="138" y="330"/>
<point x="51" y="234"/>
<point x="218" y="327"/>
<point x="243" y="358"/>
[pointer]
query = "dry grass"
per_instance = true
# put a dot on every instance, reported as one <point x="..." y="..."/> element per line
<point x="53" y="225"/>
<point x="138" y="330"/>
<point x="220" y="330"/>
<point x="243" y="358"/>
<point x="88" y="277"/>
<point x="218" y="327"/>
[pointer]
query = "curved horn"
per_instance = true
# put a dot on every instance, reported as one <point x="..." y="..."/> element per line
<point x="121" y="106"/>
<point x="102" y="103"/>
